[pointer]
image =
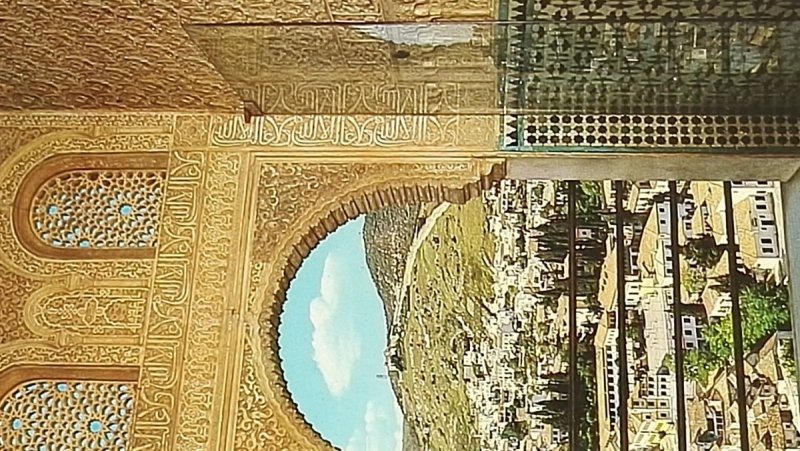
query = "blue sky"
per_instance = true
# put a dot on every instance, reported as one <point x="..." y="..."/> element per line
<point x="332" y="339"/>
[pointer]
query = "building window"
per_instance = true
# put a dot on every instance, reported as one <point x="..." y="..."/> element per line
<point x="769" y="250"/>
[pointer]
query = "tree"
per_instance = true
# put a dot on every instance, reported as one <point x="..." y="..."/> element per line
<point x="788" y="363"/>
<point x="516" y="429"/>
<point x="554" y="405"/>
<point x="668" y="363"/>
<point x="765" y="310"/>
<point x="704" y="251"/>
<point x="588" y="199"/>
<point x="719" y="339"/>
<point x="560" y="377"/>
<point x="694" y="281"/>
<point x="592" y="190"/>
<point x="584" y="285"/>
<point x="632" y="334"/>
<point x="561" y="387"/>
<point x="538" y="191"/>
<point x="555" y="419"/>
<point x="700" y="365"/>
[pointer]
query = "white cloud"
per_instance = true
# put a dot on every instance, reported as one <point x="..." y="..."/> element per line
<point x="382" y="430"/>
<point x="372" y="416"/>
<point x="399" y="420"/>
<point x="335" y="342"/>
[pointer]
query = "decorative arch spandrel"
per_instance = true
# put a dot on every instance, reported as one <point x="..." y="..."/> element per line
<point x="296" y="206"/>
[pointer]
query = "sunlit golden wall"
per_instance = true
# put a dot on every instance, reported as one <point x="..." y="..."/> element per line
<point x="190" y="318"/>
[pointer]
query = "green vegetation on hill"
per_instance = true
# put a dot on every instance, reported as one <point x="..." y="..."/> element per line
<point x="452" y="279"/>
<point x="388" y="234"/>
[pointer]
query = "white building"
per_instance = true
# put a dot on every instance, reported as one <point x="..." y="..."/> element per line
<point x="692" y="332"/>
<point x="756" y="215"/>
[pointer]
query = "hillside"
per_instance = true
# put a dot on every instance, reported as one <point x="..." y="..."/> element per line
<point x="451" y="282"/>
<point x="388" y="234"/>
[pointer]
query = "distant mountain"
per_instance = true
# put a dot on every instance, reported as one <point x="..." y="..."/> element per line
<point x="410" y="442"/>
<point x="388" y="234"/>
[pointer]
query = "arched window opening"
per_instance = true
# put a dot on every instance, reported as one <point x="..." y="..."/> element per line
<point x="101" y="206"/>
<point x="68" y="414"/>
<point x="99" y="209"/>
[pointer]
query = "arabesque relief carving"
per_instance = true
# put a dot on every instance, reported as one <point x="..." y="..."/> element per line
<point x="18" y="182"/>
<point x="182" y="354"/>
<point x="17" y="289"/>
<point x="356" y="132"/>
<point x="40" y="325"/>
<point x="59" y="313"/>
<point x="356" y="70"/>
<point x="112" y="311"/>
<point x="110" y="211"/>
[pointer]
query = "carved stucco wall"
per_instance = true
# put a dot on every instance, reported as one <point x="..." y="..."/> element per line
<point x="34" y="330"/>
<point x="242" y="205"/>
<point x="115" y="55"/>
<point x="128" y="55"/>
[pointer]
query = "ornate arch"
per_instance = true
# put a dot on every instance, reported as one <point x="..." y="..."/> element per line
<point x="297" y="206"/>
